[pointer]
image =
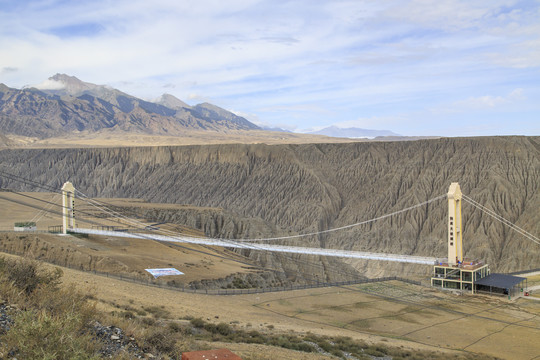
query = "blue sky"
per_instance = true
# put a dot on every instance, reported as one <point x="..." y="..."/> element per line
<point x="451" y="68"/>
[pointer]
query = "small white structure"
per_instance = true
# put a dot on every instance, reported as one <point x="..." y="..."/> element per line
<point x="25" y="226"/>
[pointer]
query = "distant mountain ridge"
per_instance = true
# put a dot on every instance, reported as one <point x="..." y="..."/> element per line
<point x="352" y="132"/>
<point x="65" y="104"/>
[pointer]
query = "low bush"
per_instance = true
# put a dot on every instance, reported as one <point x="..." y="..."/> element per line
<point x="38" y="335"/>
<point x="197" y="322"/>
<point x="54" y="322"/>
<point x="148" y="321"/>
<point x="176" y="327"/>
<point x="224" y="329"/>
<point x="160" y="340"/>
<point x="27" y="275"/>
<point x="158" y="312"/>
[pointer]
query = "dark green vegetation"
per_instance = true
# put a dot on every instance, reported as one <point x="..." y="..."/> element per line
<point x="25" y="224"/>
<point x="261" y="190"/>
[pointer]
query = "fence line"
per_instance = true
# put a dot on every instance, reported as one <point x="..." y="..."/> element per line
<point x="524" y="271"/>
<point x="187" y="289"/>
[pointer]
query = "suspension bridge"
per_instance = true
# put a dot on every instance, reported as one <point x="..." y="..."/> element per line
<point x="454" y="237"/>
<point x="455" y="248"/>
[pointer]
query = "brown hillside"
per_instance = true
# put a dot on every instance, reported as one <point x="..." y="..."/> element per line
<point x="304" y="188"/>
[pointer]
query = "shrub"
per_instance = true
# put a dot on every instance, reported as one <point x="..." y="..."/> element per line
<point x="337" y="352"/>
<point x="175" y="327"/>
<point x="211" y="328"/>
<point x="161" y="340"/>
<point x="27" y="275"/>
<point x="325" y="345"/>
<point x="374" y="352"/>
<point x="38" y="335"/>
<point x="306" y="347"/>
<point x="148" y="321"/>
<point x="197" y="322"/>
<point x="224" y="329"/>
<point x="59" y="302"/>
<point x="126" y="314"/>
<point x="54" y="322"/>
<point x="254" y="337"/>
<point x="158" y="312"/>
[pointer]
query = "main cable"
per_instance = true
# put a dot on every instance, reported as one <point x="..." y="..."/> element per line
<point x="297" y="235"/>
<point x="496" y="216"/>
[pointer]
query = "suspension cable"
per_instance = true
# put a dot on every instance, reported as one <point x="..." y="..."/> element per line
<point x="105" y="209"/>
<point x="503" y="220"/>
<point x="351" y="225"/>
<point x="43" y="211"/>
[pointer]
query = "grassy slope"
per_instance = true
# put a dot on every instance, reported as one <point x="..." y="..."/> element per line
<point x="398" y="315"/>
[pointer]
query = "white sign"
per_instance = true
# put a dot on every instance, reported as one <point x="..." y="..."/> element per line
<point x="164" y="272"/>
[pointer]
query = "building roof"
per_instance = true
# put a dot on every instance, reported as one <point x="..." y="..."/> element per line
<point x="501" y="281"/>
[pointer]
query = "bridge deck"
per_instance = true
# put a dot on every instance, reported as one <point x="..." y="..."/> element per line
<point x="266" y="247"/>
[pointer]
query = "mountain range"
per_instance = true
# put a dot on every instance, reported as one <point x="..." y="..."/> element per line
<point x="65" y="105"/>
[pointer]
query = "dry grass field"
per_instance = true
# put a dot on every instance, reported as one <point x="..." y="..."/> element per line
<point x="191" y="137"/>
<point x="473" y="323"/>
<point x="395" y="313"/>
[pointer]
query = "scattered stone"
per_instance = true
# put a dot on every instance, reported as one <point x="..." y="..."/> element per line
<point x="113" y="341"/>
<point x="5" y="318"/>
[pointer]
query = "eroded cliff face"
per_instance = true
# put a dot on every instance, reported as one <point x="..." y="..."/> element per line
<point x="39" y="247"/>
<point x="306" y="188"/>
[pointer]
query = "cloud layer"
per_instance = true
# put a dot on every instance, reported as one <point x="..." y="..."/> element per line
<point x="397" y="65"/>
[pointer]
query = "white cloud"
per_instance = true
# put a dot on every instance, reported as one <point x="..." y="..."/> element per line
<point x="480" y="103"/>
<point x="374" y="122"/>
<point x="254" y="118"/>
<point x="302" y="62"/>
<point x="488" y="101"/>
<point x="448" y="15"/>
<point x="50" y="85"/>
<point x="521" y="56"/>
<point x="197" y="98"/>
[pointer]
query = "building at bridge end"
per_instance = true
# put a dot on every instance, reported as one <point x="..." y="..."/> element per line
<point x="461" y="276"/>
<point x="465" y="275"/>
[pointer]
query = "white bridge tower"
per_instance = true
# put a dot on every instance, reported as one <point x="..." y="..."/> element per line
<point x="68" y="207"/>
<point x="455" y="241"/>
